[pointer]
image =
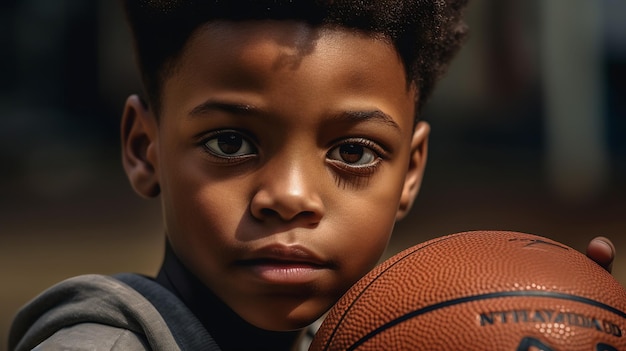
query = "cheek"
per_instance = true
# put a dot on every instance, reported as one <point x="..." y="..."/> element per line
<point x="367" y="228"/>
<point x="374" y="223"/>
<point x="204" y="213"/>
<point x="200" y="212"/>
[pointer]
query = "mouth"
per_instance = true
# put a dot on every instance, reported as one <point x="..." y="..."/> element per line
<point x="284" y="265"/>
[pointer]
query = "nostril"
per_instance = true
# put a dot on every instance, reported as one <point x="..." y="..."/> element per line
<point x="312" y="218"/>
<point x="279" y="204"/>
<point x="307" y="214"/>
<point x="268" y="212"/>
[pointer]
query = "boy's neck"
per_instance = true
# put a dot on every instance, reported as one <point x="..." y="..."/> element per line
<point x="228" y="330"/>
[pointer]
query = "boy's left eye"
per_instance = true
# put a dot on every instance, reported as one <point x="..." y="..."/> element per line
<point x="229" y="143"/>
<point x="353" y="154"/>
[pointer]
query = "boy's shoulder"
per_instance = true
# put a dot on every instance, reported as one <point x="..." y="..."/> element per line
<point x="95" y="309"/>
<point x="93" y="336"/>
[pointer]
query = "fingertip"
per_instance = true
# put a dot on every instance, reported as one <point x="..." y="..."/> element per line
<point x="604" y="242"/>
<point x="601" y="250"/>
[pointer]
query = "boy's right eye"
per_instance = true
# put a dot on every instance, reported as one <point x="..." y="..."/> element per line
<point x="229" y="144"/>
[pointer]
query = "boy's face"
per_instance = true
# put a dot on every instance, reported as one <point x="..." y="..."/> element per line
<point x="284" y="154"/>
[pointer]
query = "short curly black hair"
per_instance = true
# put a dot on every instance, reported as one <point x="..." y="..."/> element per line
<point x="426" y="33"/>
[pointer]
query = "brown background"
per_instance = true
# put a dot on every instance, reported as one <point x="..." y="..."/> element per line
<point x="66" y="207"/>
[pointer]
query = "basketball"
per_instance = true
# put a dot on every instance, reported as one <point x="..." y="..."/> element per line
<point x="481" y="290"/>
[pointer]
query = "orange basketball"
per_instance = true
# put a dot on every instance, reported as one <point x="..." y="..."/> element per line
<point x="482" y="290"/>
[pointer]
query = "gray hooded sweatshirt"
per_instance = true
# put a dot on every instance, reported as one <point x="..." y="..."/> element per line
<point x="97" y="312"/>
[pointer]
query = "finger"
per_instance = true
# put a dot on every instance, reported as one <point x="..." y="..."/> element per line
<point x="602" y="251"/>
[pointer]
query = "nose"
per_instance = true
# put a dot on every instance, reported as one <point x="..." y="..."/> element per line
<point x="288" y="192"/>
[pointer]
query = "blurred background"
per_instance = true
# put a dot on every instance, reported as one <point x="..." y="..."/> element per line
<point x="528" y="134"/>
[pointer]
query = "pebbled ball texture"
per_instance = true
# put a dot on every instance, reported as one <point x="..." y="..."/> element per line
<point x="481" y="290"/>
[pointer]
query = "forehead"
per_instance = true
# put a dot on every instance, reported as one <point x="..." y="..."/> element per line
<point x="267" y="56"/>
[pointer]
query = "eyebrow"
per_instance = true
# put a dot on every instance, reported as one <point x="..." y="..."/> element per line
<point x="369" y="115"/>
<point x="241" y="108"/>
<point x="231" y="107"/>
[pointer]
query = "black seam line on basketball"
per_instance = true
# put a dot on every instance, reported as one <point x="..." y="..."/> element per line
<point x="527" y="293"/>
<point x="400" y="259"/>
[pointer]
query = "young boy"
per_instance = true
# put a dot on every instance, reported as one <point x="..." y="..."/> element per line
<point x="284" y="141"/>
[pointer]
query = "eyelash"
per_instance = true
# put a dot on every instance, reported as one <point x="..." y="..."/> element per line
<point x="228" y="159"/>
<point x="346" y="170"/>
<point x="359" y="170"/>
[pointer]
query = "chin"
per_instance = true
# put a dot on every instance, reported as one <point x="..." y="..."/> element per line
<point x="284" y="327"/>
<point x="284" y="324"/>
<point x="294" y="319"/>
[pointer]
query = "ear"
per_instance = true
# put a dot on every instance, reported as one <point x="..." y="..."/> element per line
<point x="415" y="173"/>
<point x="139" y="152"/>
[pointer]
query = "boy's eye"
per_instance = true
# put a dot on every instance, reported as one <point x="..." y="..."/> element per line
<point x="353" y="154"/>
<point x="229" y="143"/>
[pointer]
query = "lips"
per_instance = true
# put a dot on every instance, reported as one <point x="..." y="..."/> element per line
<point x="280" y="264"/>
<point x="291" y="253"/>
